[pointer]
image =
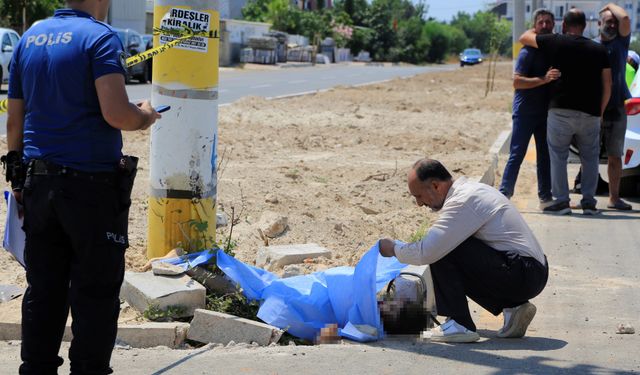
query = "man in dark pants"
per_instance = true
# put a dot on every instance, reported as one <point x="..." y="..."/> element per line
<point x="479" y="247"/>
<point x="615" y="35"/>
<point x="77" y="192"/>
<point x="578" y="100"/>
<point x="530" y="104"/>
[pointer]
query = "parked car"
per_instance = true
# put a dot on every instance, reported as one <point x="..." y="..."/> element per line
<point x="8" y="42"/>
<point x="470" y="56"/>
<point x="147" y="39"/>
<point x="133" y="45"/>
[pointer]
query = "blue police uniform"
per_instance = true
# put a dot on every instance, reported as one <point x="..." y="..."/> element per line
<point x="75" y="215"/>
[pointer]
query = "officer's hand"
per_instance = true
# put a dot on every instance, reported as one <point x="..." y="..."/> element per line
<point x="386" y="247"/>
<point x="150" y="114"/>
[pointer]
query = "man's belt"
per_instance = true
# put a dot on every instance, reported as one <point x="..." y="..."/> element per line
<point x="45" y="168"/>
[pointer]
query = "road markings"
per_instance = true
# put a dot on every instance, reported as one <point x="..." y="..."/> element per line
<point x="260" y="86"/>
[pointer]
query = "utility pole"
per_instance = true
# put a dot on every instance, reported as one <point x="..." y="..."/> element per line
<point x="518" y="26"/>
<point x="182" y="200"/>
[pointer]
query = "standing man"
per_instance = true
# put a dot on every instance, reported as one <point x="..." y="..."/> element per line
<point x="615" y="35"/>
<point x="530" y="105"/>
<point x="479" y="247"/>
<point x="578" y="100"/>
<point x="67" y="106"/>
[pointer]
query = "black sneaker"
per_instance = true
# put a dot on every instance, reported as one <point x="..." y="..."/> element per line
<point x="558" y="208"/>
<point x="589" y="209"/>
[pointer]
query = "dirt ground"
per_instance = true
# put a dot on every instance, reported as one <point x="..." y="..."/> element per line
<point x="333" y="163"/>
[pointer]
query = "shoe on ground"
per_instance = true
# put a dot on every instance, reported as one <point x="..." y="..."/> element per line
<point x="450" y="331"/>
<point x="558" y="208"/>
<point x="620" y="205"/>
<point x="517" y="320"/>
<point x="545" y="202"/>
<point x="589" y="209"/>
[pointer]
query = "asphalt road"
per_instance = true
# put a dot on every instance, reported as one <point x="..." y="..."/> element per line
<point x="270" y="83"/>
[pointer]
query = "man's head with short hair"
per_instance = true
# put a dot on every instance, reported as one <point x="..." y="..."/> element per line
<point x="608" y="24"/>
<point x="543" y="21"/>
<point x="574" y="22"/>
<point x="429" y="182"/>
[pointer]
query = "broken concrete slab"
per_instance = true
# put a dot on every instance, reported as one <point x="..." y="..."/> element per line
<point x="215" y="327"/>
<point x="150" y="335"/>
<point x="142" y="290"/>
<point x="146" y="335"/>
<point x="166" y="269"/>
<point x="273" y="257"/>
<point x="217" y="283"/>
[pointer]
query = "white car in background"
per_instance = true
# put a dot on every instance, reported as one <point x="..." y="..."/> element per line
<point x="8" y="42"/>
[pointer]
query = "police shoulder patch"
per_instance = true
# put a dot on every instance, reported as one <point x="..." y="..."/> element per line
<point x="123" y="60"/>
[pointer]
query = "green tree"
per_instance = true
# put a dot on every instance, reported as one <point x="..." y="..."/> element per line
<point x="11" y="11"/>
<point x="439" y="36"/>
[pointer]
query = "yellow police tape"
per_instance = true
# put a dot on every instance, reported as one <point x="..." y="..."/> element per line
<point x="181" y="35"/>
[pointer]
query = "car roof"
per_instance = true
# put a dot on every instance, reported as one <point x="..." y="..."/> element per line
<point x="471" y="49"/>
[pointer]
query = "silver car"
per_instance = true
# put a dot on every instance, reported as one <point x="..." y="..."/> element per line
<point x="8" y="42"/>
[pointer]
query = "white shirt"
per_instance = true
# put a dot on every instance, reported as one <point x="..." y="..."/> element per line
<point x="478" y="210"/>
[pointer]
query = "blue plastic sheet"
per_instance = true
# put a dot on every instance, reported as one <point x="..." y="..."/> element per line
<point x="302" y="305"/>
<point x="14" y="236"/>
<point x="188" y="261"/>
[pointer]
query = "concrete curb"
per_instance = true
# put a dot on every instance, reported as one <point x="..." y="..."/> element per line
<point x="146" y="335"/>
<point x="499" y="147"/>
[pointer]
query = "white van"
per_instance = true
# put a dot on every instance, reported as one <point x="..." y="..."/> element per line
<point x="8" y="42"/>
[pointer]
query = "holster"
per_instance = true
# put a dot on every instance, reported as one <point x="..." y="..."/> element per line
<point x="127" y="169"/>
<point x="16" y="171"/>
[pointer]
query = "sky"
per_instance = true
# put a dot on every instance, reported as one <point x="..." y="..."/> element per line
<point x="444" y="10"/>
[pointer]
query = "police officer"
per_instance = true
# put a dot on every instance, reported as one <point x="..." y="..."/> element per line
<point x="67" y="106"/>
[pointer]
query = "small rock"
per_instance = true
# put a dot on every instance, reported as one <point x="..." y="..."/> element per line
<point x="625" y="329"/>
<point x="368" y="210"/>
<point x="291" y="270"/>
<point x="338" y="227"/>
<point x="221" y="219"/>
<point x="168" y="269"/>
<point x="271" y="198"/>
<point x="121" y="345"/>
<point x="231" y="344"/>
<point x="272" y="224"/>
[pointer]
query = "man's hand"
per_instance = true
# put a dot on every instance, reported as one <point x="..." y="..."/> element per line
<point x="552" y="75"/>
<point x="386" y="247"/>
<point x="150" y="114"/>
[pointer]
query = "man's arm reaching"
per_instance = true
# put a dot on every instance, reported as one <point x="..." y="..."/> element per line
<point x="529" y="38"/>
<point x="521" y="82"/>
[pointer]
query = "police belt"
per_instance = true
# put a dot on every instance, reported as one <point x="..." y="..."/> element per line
<point x="45" y="168"/>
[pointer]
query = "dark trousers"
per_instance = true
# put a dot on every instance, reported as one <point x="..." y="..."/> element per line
<point x="493" y="279"/>
<point x="76" y="230"/>
<point x="523" y="129"/>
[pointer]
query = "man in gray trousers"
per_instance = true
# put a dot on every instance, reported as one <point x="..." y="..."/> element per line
<point x="578" y="100"/>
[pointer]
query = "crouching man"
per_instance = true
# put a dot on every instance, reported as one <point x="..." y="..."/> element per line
<point x="479" y="247"/>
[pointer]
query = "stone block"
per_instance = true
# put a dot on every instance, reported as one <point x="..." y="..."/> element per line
<point x="215" y="327"/>
<point x="273" y="257"/>
<point x="142" y="290"/>
<point x="150" y="335"/>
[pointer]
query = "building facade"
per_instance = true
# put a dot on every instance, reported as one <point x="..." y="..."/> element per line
<point x="591" y="9"/>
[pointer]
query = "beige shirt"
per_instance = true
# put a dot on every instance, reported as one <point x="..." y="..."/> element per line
<point x="478" y="210"/>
